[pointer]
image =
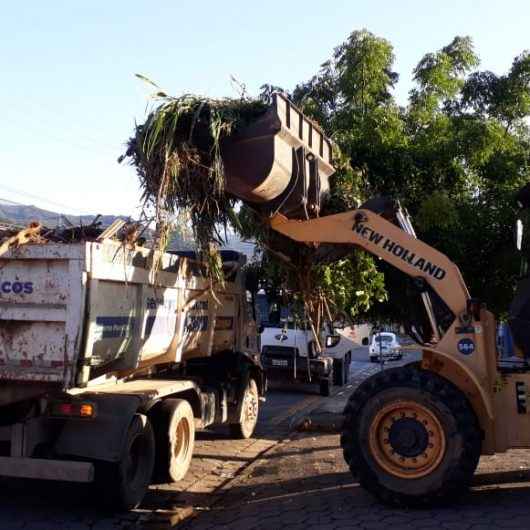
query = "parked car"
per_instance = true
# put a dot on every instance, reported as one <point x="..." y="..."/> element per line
<point x="385" y="344"/>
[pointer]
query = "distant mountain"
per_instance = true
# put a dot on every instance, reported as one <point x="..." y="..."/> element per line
<point x="244" y="247"/>
<point x="23" y="214"/>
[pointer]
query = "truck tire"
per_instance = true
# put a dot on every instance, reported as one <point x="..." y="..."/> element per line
<point x="174" y="426"/>
<point x="411" y="437"/>
<point x="244" y="429"/>
<point x="123" y="485"/>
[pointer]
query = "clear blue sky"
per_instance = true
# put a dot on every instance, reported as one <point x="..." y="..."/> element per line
<point x="69" y="98"/>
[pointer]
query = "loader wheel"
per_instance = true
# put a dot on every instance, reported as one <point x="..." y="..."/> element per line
<point x="411" y="437"/>
<point x="174" y="425"/>
<point x="122" y="485"/>
<point x="249" y="413"/>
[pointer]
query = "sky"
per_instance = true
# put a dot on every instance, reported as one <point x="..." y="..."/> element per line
<point x="69" y="98"/>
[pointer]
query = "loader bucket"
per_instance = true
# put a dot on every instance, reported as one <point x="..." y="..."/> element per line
<point x="280" y="163"/>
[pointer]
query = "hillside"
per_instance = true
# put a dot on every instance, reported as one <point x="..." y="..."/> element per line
<point x="23" y="214"/>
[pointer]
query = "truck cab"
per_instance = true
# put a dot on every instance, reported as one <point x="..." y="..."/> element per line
<point x="289" y="351"/>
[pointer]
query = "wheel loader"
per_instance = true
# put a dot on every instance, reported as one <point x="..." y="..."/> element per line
<point x="412" y="435"/>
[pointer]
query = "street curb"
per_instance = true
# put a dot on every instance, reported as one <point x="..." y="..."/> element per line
<point x="309" y="419"/>
<point x="500" y="477"/>
<point x="325" y="422"/>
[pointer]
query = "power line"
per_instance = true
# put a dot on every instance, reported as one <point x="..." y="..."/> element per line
<point x="105" y="151"/>
<point x="41" y="199"/>
<point x="55" y="113"/>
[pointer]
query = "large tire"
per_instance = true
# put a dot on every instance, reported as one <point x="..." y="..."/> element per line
<point x="174" y="425"/>
<point x="248" y="420"/>
<point x="411" y="437"/>
<point x="122" y="485"/>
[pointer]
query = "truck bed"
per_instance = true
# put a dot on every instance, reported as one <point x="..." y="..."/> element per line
<point x="73" y="312"/>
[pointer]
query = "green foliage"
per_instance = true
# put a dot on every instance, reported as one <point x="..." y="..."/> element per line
<point x="177" y="156"/>
<point x="352" y="284"/>
<point x="455" y="155"/>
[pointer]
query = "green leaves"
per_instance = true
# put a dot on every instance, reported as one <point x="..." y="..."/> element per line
<point x="176" y="153"/>
<point x="454" y="155"/>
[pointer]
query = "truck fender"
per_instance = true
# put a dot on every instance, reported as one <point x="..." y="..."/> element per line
<point x="255" y="370"/>
<point x="464" y="379"/>
<point x="234" y="413"/>
<point x="102" y="437"/>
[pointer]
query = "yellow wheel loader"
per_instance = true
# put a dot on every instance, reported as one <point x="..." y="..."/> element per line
<point x="412" y="434"/>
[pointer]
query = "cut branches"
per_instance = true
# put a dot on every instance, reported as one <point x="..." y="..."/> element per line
<point x="177" y="155"/>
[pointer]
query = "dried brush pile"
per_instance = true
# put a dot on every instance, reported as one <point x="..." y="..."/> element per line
<point x="177" y="156"/>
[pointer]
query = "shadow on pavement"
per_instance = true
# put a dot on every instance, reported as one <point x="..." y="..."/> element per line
<point x="323" y="501"/>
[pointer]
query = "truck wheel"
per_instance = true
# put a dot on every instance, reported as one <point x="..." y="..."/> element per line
<point x="249" y="413"/>
<point x="325" y="387"/>
<point x="124" y="484"/>
<point x="411" y="437"/>
<point x="174" y="425"/>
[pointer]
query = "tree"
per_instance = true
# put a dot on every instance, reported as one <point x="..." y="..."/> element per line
<point x="455" y="155"/>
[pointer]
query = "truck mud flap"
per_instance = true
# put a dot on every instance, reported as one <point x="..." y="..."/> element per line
<point x="102" y="437"/>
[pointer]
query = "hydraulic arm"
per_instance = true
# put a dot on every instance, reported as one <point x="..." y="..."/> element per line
<point x="430" y="269"/>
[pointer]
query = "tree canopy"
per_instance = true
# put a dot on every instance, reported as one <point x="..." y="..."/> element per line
<point x="454" y="155"/>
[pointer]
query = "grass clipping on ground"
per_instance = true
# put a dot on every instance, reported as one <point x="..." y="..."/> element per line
<point x="177" y="156"/>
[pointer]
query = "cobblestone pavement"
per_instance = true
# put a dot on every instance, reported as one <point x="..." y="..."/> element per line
<point x="35" y="505"/>
<point x="303" y="484"/>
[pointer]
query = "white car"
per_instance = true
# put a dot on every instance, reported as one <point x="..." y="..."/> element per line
<point x="386" y="345"/>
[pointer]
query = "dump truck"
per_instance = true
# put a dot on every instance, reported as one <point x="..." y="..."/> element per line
<point x="111" y="356"/>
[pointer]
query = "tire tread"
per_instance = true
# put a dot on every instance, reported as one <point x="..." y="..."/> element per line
<point x="459" y="473"/>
